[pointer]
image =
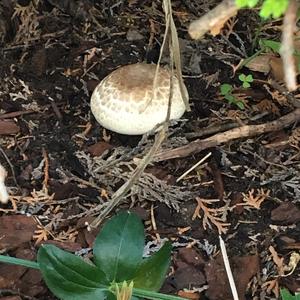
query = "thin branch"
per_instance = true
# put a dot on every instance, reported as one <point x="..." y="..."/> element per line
<point x="225" y="10"/>
<point x="228" y="269"/>
<point x="233" y="134"/>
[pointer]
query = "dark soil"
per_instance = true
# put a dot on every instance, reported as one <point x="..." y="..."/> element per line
<point x="61" y="163"/>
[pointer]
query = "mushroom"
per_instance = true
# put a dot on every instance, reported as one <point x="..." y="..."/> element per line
<point x="123" y="101"/>
<point x="3" y="192"/>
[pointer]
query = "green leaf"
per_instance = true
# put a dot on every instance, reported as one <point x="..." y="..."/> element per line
<point x="286" y="295"/>
<point x="246" y="84"/>
<point x="119" y="247"/>
<point x="19" y="262"/>
<point x="273" y="8"/>
<point x="242" y="77"/>
<point x="249" y="78"/>
<point x="274" y="46"/>
<point x="69" y="277"/>
<point x="225" y="89"/>
<point x="240" y="104"/>
<point x="244" y="3"/>
<point x="230" y="99"/>
<point x="152" y="271"/>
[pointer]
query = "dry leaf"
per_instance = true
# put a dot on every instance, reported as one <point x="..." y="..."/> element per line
<point x="189" y="295"/>
<point x="211" y="215"/>
<point x="40" y="234"/>
<point x="277" y="260"/>
<point x="266" y="105"/>
<point x="260" y="63"/>
<point x="255" y="199"/>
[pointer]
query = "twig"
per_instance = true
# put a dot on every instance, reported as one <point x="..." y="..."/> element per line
<point x="15" y="114"/>
<point x="233" y="134"/>
<point x="225" y="10"/>
<point x="287" y="45"/>
<point x="194" y="166"/>
<point x="282" y="89"/>
<point x="228" y="270"/>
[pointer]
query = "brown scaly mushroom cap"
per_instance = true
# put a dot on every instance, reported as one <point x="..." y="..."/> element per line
<point x="119" y="102"/>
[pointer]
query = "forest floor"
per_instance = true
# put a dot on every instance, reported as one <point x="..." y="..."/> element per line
<point x="61" y="164"/>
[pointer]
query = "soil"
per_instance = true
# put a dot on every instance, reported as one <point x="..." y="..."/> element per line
<point x="62" y="165"/>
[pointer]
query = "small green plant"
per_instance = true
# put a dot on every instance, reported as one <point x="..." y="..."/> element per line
<point x="269" y="8"/>
<point x="226" y="91"/>
<point x="118" y="270"/>
<point x="286" y="295"/>
<point x="246" y="80"/>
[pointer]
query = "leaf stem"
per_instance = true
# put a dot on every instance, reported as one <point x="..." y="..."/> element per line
<point x="19" y="261"/>
<point x="154" y="295"/>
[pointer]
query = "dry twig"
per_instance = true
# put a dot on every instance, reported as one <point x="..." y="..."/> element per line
<point x="219" y="15"/>
<point x="233" y="134"/>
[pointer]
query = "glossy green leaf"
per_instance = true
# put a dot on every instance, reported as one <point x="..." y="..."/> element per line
<point x="119" y="247"/>
<point x="152" y="271"/>
<point x="69" y="277"/>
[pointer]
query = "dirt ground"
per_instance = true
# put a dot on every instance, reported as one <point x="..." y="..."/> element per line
<point x="63" y="167"/>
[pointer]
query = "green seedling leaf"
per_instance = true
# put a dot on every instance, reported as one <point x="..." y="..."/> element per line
<point x="242" y="77"/>
<point x="240" y="104"/>
<point x="230" y="98"/>
<point x="152" y="271"/>
<point x="246" y="80"/>
<point x="249" y="78"/>
<point x="286" y="295"/>
<point x="119" y="247"/>
<point x="246" y="85"/>
<point x="225" y="89"/>
<point x="273" y="8"/>
<point x="69" y="277"/>
<point x="246" y="3"/>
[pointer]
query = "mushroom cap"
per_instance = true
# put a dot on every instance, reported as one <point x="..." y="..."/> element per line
<point x="122" y="101"/>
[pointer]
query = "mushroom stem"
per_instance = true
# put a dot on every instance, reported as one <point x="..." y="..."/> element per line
<point x="3" y="191"/>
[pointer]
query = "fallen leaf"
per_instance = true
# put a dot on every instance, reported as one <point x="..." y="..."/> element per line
<point x="98" y="148"/>
<point x="243" y="268"/>
<point x="286" y="213"/>
<point x="189" y="295"/>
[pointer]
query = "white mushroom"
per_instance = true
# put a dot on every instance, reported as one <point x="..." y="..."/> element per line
<point x="122" y="100"/>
